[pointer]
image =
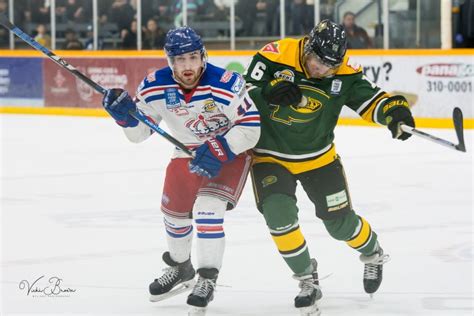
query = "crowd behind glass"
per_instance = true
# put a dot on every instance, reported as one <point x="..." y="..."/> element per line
<point x="256" y="20"/>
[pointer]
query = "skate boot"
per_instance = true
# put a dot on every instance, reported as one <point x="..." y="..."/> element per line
<point x="306" y="300"/>
<point x="178" y="277"/>
<point x="203" y="291"/>
<point x="373" y="270"/>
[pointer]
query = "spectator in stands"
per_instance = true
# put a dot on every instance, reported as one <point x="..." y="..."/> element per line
<point x="357" y="37"/>
<point x="259" y="17"/>
<point x="193" y="7"/>
<point x="72" y="10"/>
<point x="4" y="34"/>
<point x="104" y="8"/>
<point x="121" y="13"/>
<point x="129" y="36"/>
<point x="89" y="45"/>
<point x="222" y="9"/>
<point x="463" y="17"/>
<point x="72" y="42"/>
<point x="298" y="17"/>
<point x="160" y="10"/>
<point x="42" y="36"/>
<point x="38" y="12"/>
<point x="154" y="36"/>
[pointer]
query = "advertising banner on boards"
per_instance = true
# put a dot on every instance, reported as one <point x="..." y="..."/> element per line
<point x="64" y="90"/>
<point x="20" y="78"/>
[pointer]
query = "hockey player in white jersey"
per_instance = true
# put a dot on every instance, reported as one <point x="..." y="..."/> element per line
<point x="207" y="109"/>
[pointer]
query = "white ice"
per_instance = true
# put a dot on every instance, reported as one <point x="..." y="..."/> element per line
<point x="81" y="203"/>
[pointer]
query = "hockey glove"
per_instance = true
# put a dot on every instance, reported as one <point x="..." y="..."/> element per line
<point x="282" y="92"/>
<point x="118" y="103"/>
<point x="397" y="112"/>
<point x="210" y="156"/>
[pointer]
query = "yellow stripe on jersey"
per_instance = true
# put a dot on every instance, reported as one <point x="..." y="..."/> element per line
<point x="289" y="242"/>
<point x="368" y="113"/>
<point x="362" y="237"/>
<point x="299" y="167"/>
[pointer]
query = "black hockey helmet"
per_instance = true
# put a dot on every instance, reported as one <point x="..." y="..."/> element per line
<point x="328" y="41"/>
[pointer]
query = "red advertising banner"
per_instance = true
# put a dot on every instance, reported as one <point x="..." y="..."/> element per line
<point x="62" y="89"/>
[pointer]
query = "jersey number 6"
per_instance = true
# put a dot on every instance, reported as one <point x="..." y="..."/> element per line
<point x="258" y="70"/>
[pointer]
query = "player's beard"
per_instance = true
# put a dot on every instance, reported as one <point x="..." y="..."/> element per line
<point x="189" y="78"/>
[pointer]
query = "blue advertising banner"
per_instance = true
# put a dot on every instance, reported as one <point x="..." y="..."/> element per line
<point x="21" y="78"/>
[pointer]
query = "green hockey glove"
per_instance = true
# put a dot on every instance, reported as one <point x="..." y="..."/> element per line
<point x="282" y="92"/>
<point x="397" y="112"/>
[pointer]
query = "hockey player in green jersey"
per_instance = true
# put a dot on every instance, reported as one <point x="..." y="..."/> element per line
<point x="300" y="87"/>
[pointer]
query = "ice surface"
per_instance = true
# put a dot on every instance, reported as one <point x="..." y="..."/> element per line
<point x="81" y="203"/>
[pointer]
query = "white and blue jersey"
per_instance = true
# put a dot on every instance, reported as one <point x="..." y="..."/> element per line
<point x="218" y="105"/>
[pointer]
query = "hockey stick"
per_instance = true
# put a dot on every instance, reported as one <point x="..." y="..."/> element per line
<point x="458" y="126"/>
<point x="62" y="63"/>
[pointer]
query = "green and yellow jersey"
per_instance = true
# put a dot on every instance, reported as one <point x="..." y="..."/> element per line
<point x="300" y="137"/>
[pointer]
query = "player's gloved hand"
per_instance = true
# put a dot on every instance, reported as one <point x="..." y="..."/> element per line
<point x="210" y="156"/>
<point x="397" y="112"/>
<point x="282" y="92"/>
<point x="118" y="103"/>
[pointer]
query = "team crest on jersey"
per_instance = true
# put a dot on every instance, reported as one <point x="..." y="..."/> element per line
<point x="271" y="48"/>
<point x="205" y="126"/>
<point x="209" y="106"/>
<point x="336" y="87"/>
<point x="308" y="105"/>
<point x="286" y="74"/>
<point x="172" y="98"/>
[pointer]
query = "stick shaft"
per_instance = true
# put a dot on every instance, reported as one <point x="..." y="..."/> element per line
<point x="437" y="140"/>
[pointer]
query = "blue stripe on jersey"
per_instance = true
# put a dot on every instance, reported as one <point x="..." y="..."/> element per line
<point x="209" y="220"/>
<point x="223" y="101"/>
<point x="251" y="113"/>
<point x="155" y="97"/>
<point x="209" y="236"/>
<point x="249" y="124"/>
<point x="209" y="95"/>
<point x="201" y="97"/>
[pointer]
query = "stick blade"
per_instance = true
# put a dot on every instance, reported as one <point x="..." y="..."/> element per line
<point x="459" y="127"/>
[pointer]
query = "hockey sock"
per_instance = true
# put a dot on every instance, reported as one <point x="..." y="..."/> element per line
<point x="364" y="240"/>
<point x="354" y="230"/>
<point x="179" y="237"/>
<point x="208" y="214"/>
<point x="281" y="215"/>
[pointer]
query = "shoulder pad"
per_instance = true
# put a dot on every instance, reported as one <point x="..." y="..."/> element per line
<point x="349" y="67"/>
<point x="156" y="78"/>
<point x="225" y="79"/>
<point x="285" y="51"/>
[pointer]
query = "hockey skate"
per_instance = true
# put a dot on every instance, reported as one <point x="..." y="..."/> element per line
<point x="178" y="277"/>
<point x="203" y="291"/>
<point x="373" y="269"/>
<point x="306" y="300"/>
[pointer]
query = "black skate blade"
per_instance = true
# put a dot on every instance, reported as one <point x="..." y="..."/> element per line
<point x="458" y="126"/>
<point x="183" y="287"/>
